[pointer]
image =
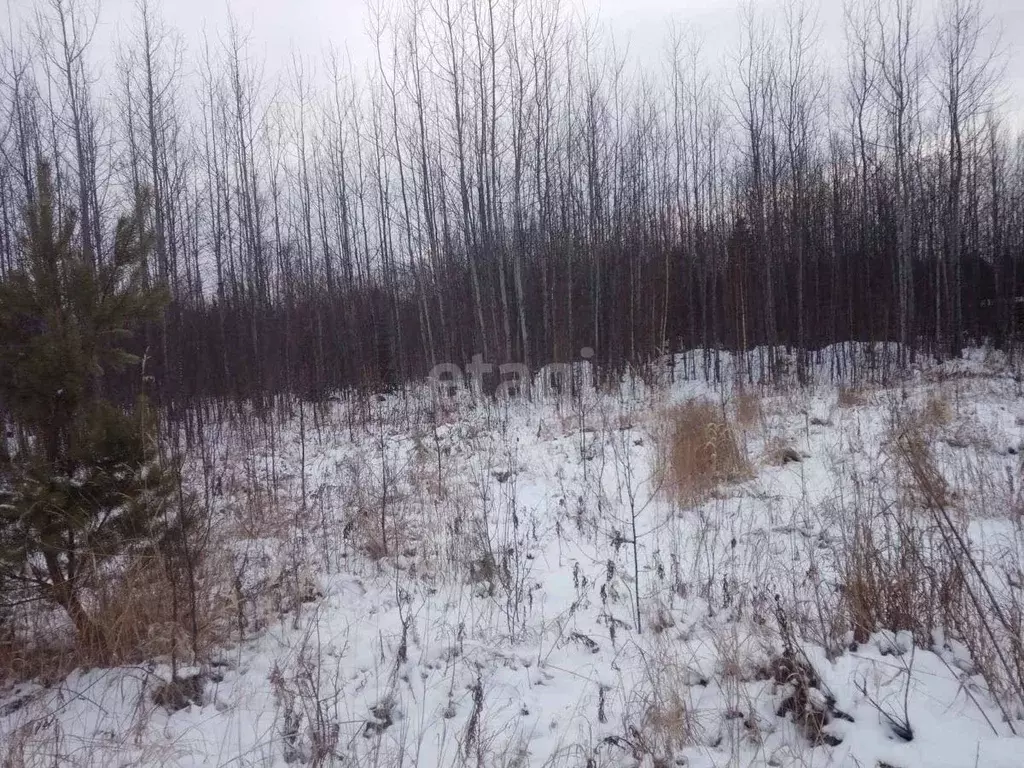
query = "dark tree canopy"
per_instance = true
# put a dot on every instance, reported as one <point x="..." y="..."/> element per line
<point x="507" y="184"/>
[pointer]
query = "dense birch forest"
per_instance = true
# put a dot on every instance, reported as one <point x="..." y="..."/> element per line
<point x="504" y="179"/>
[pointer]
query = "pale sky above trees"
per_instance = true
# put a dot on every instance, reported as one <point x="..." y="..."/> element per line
<point x="276" y="28"/>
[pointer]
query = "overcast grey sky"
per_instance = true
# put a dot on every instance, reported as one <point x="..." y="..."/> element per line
<point x="278" y="26"/>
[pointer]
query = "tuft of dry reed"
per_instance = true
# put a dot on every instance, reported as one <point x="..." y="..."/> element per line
<point x="700" y="452"/>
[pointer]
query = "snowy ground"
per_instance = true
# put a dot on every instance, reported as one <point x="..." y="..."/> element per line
<point x="495" y="621"/>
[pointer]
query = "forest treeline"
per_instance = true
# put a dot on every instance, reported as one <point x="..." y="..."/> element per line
<point x="505" y="180"/>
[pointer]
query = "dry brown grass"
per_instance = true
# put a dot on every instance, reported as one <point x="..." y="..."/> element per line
<point x="44" y="660"/>
<point x="896" y="570"/>
<point x="748" y="409"/>
<point x="983" y="610"/>
<point x="43" y="741"/>
<point x="142" y="610"/>
<point x="659" y="718"/>
<point x="851" y="397"/>
<point x="149" y="612"/>
<point x="668" y="723"/>
<point x="936" y="411"/>
<point x="700" y="452"/>
<point x="909" y="442"/>
<point x="896" y="577"/>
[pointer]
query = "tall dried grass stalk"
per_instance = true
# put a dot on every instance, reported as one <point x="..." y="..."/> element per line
<point x="700" y="452"/>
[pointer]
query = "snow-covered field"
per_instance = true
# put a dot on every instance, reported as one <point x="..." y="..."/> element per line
<point x="513" y="583"/>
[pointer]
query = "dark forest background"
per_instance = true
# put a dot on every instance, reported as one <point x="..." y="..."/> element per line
<point x="505" y="181"/>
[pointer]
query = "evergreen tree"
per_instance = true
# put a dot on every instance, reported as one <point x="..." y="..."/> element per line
<point x="84" y="481"/>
